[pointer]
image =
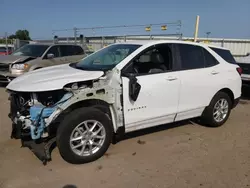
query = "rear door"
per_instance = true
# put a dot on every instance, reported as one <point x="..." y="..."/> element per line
<point x="200" y="80"/>
<point x="77" y="53"/>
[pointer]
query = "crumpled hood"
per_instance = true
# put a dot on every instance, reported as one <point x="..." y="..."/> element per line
<point x="8" y="59"/>
<point x="51" y="78"/>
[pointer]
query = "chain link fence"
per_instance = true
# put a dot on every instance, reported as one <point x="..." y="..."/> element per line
<point x="7" y="46"/>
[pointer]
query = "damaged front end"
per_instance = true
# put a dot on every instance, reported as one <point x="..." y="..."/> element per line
<point x="29" y="113"/>
<point x="36" y="116"/>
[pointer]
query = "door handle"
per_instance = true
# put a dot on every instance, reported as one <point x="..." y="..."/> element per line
<point x="171" y="78"/>
<point x="214" y="72"/>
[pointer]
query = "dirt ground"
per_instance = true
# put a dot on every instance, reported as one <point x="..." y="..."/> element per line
<point x="186" y="155"/>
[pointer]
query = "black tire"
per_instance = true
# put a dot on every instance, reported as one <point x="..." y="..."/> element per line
<point x="68" y="125"/>
<point x="208" y="118"/>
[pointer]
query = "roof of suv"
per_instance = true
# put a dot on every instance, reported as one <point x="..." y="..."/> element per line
<point x="52" y="44"/>
<point x="219" y="47"/>
<point x="153" y="42"/>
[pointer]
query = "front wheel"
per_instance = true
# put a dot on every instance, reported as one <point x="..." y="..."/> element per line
<point x="84" y="135"/>
<point x="218" y="111"/>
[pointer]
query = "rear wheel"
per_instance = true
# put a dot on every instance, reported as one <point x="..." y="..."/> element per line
<point x="218" y="111"/>
<point x="84" y="135"/>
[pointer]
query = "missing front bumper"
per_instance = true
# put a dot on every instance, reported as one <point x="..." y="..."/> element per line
<point x="41" y="150"/>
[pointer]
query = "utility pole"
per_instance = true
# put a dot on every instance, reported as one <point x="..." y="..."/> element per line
<point x="6" y="41"/>
<point x="196" y="28"/>
<point x="75" y="34"/>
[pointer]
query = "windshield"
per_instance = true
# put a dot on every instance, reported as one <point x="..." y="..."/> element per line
<point x="107" y="58"/>
<point x="31" y="50"/>
<point x="225" y="54"/>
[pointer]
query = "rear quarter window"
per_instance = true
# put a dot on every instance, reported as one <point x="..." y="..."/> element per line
<point x="225" y="54"/>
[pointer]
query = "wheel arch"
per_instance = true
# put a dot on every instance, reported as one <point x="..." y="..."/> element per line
<point x="229" y="92"/>
<point x="96" y="103"/>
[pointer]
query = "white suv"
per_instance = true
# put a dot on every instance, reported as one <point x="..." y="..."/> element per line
<point x="121" y="88"/>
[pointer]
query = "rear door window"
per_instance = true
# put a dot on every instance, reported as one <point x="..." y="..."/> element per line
<point x="77" y="50"/>
<point x="191" y="57"/>
<point x="71" y="50"/>
<point x="225" y="54"/>
<point x="66" y="50"/>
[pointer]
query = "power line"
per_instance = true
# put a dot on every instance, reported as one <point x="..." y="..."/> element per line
<point x="177" y="23"/>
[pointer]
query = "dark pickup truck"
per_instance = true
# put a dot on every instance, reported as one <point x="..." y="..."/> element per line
<point x="244" y="63"/>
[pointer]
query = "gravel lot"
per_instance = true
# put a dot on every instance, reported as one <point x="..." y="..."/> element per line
<point x="184" y="155"/>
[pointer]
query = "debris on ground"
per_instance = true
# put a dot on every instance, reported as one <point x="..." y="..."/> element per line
<point x="141" y="142"/>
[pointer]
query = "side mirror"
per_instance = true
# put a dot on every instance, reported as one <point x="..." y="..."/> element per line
<point x="50" y="56"/>
<point x="134" y="88"/>
<point x="129" y="75"/>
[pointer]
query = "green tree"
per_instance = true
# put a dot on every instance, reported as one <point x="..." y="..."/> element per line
<point x="12" y="37"/>
<point x="21" y="34"/>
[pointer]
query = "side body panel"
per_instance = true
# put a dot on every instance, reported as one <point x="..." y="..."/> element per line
<point x="156" y="104"/>
<point x="199" y="86"/>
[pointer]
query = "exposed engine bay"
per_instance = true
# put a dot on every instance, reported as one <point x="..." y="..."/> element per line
<point x="29" y="113"/>
<point x="30" y="110"/>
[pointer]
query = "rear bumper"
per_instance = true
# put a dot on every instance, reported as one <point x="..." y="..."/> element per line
<point x="246" y="83"/>
<point x="245" y="79"/>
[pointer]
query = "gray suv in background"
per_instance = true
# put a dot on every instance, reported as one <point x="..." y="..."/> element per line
<point x="35" y="56"/>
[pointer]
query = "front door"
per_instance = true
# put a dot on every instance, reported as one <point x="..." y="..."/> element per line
<point x="157" y="101"/>
<point x="56" y="60"/>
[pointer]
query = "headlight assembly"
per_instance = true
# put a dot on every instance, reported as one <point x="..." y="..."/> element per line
<point x="19" y="66"/>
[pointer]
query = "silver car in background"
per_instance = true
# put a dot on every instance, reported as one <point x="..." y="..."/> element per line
<point x="35" y="56"/>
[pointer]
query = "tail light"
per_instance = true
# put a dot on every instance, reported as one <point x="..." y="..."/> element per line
<point x="239" y="70"/>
